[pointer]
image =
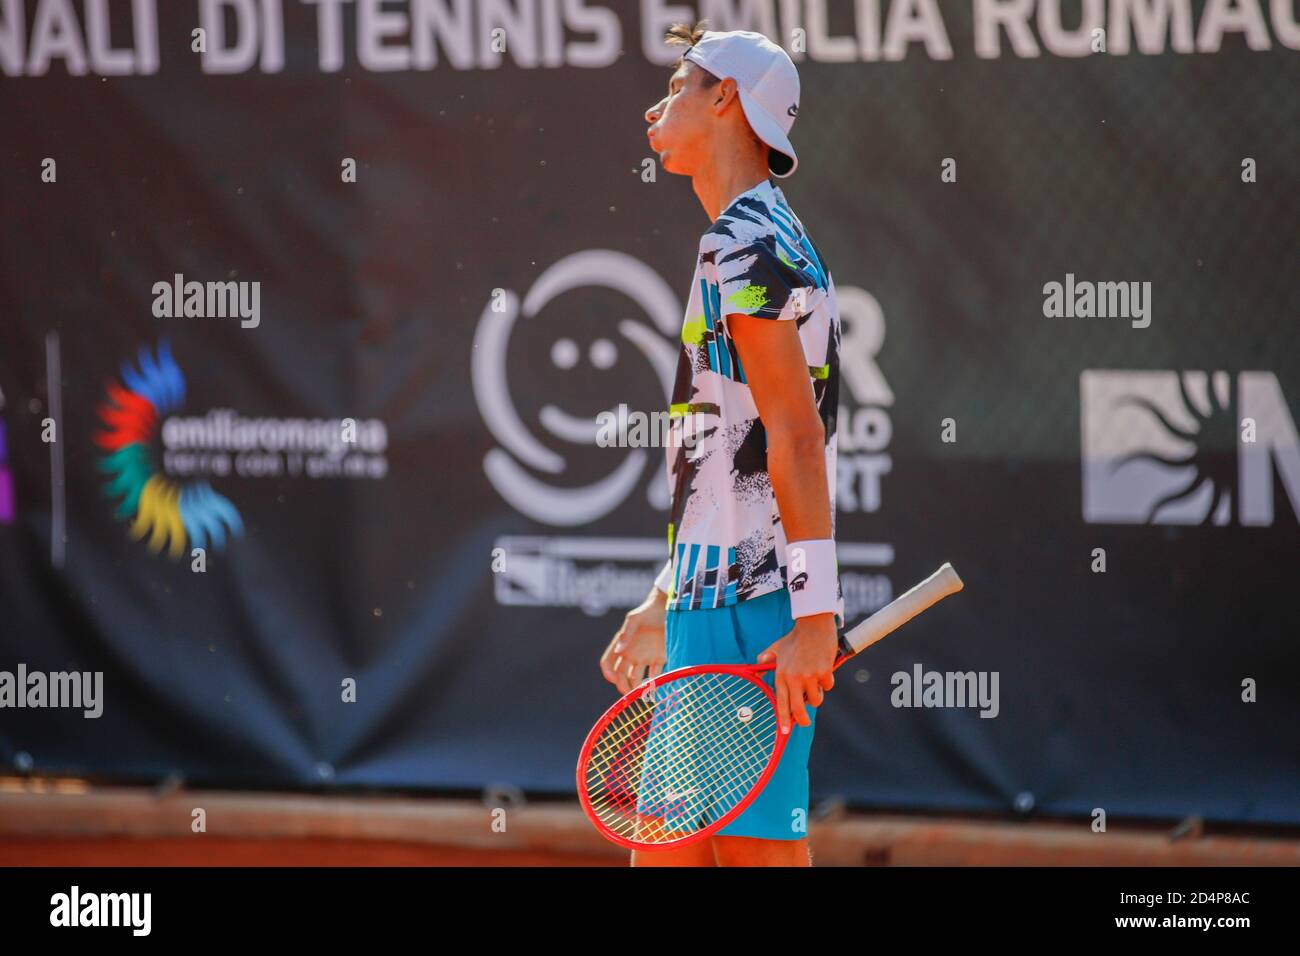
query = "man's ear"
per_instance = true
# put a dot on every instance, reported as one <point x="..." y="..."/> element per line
<point x="726" y="90"/>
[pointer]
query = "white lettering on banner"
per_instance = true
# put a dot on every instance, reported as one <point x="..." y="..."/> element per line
<point x="222" y="442"/>
<point x="1158" y="25"/>
<point x="1276" y="448"/>
<point x="595" y="574"/>
<point x="258" y="36"/>
<point x="390" y="36"/>
<point x="862" y="433"/>
<point x="56" y="33"/>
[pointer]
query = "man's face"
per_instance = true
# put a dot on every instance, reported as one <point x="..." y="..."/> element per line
<point x="682" y="122"/>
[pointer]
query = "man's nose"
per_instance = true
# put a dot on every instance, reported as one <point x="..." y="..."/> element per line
<point x="652" y="114"/>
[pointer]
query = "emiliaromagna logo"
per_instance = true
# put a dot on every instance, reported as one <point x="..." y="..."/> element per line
<point x="170" y="513"/>
<point x="159" y="462"/>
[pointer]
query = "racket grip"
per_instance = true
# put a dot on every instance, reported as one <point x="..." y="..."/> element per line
<point x="901" y="610"/>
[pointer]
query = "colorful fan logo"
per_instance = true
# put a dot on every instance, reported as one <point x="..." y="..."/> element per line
<point x="169" y="513"/>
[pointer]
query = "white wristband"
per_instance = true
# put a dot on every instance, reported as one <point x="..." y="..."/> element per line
<point x="812" y="577"/>
<point x="665" y="577"/>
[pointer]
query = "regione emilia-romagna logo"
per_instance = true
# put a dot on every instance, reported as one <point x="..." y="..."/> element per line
<point x="1186" y="447"/>
<point x="167" y="512"/>
<point x="159" y="462"/>
<point x="591" y="372"/>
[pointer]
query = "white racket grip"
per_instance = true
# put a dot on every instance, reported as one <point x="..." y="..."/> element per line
<point x="903" y="608"/>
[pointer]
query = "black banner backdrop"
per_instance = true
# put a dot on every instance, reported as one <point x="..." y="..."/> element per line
<point x="450" y="258"/>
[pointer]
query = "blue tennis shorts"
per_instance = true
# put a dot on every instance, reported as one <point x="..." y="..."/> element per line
<point x="737" y="634"/>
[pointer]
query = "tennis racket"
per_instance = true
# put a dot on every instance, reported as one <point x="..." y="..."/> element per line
<point x="683" y="754"/>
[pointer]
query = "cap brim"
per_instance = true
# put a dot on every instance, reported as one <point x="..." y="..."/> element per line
<point x="782" y="160"/>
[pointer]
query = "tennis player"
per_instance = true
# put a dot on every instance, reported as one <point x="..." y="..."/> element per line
<point x="751" y="574"/>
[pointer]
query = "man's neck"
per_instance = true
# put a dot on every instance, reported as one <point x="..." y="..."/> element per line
<point x="719" y="184"/>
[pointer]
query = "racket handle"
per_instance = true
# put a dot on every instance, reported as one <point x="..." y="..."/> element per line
<point x="899" y="611"/>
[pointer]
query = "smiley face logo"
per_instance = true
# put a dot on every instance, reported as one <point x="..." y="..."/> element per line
<point x="592" y="373"/>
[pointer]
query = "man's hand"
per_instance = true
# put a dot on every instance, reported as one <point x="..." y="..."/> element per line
<point x="638" y="645"/>
<point x="804" y="661"/>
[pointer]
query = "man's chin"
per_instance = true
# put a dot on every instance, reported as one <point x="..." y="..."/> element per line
<point x="668" y="165"/>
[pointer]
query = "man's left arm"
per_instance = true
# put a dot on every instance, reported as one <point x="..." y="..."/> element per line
<point x="777" y="372"/>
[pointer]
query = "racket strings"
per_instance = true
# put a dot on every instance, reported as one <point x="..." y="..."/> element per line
<point x="720" y="769"/>
<point x="633" y="732"/>
<point x="687" y="754"/>
<point x="624" y="739"/>
<point x="681" y="756"/>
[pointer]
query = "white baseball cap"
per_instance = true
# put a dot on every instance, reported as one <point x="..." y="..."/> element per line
<point x="768" y="84"/>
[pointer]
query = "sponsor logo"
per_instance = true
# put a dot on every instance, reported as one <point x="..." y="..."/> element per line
<point x="169" y="513"/>
<point x="158" y="462"/>
<point x="513" y="467"/>
<point x="1180" y="448"/>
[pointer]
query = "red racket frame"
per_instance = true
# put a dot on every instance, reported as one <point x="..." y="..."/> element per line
<point x="739" y="670"/>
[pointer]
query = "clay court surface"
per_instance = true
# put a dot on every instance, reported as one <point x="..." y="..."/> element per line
<point x="218" y="851"/>
<point x="71" y="823"/>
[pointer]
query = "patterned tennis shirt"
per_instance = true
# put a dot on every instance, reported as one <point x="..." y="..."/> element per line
<point x="726" y="543"/>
